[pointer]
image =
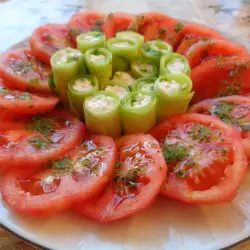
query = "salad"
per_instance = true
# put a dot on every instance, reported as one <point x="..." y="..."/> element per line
<point x="103" y="114"/>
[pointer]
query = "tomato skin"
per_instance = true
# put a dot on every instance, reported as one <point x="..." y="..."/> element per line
<point x="228" y="76"/>
<point x="19" y="102"/>
<point x="204" y="50"/>
<point x="68" y="190"/>
<point x="109" y="205"/>
<point x="22" y="71"/>
<point x="226" y="190"/>
<point x="187" y="41"/>
<point x="116" y="22"/>
<point x="85" y="21"/>
<point x="68" y="133"/>
<point x="48" y="39"/>
<point x="203" y="107"/>
<point x="150" y="27"/>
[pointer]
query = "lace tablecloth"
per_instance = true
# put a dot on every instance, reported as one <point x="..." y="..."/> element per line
<point x="19" y="18"/>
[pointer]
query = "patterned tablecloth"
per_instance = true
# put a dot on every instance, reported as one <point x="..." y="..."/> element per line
<point x="18" y="19"/>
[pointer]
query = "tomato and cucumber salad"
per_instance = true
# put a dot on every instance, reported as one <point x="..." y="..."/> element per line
<point x="130" y="79"/>
<point x="205" y="158"/>
<point x="139" y="174"/>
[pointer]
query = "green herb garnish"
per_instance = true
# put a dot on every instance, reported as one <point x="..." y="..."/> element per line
<point x="42" y="125"/>
<point x="200" y="133"/>
<point x="174" y="152"/>
<point x="25" y="96"/>
<point x="178" y="27"/>
<point x="63" y="164"/>
<point x="39" y="143"/>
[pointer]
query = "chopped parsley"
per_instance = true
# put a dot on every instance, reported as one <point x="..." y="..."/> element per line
<point x="34" y="81"/>
<point x="245" y="127"/>
<point x="42" y="125"/>
<point x="178" y="27"/>
<point x="25" y="96"/>
<point x="63" y="164"/>
<point x="174" y="152"/>
<point x="200" y="133"/>
<point x="4" y="91"/>
<point x="39" y="143"/>
<point x="223" y="112"/>
<point x="181" y="173"/>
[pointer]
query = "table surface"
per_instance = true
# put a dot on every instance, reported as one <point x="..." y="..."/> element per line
<point x="19" y="18"/>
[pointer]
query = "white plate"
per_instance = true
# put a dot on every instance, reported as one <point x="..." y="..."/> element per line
<point x="166" y="225"/>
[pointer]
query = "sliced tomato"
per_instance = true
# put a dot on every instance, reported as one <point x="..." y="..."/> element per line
<point x="116" y="22"/>
<point x="20" y="102"/>
<point x="221" y="76"/>
<point x="205" y="158"/>
<point x="140" y="172"/>
<point x="78" y="176"/>
<point x="148" y="24"/>
<point x="28" y="143"/>
<point x="204" y="50"/>
<point x="187" y="42"/>
<point x="48" y="39"/>
<point x="234" y="110"/>
<point x="21" y="70"/>
<point x="170" y="31"/>
<point x="85" y="21"/>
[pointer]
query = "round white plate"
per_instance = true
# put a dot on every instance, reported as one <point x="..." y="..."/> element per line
<point x="166" y="225"/>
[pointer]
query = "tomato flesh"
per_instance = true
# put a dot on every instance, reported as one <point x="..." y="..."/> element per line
<point x="205" y="158"/>
<point x="78" y="176"/>
<point x="85" y="21"/>
<point x="29" y="143"/>
<point x="20" y="102"/>
<point x="48" y="39"/>
<point x="140" y="172"/>
<point x="234" y="110"/>
<point x="221" y="76"/>
<point x="22" y="71"/>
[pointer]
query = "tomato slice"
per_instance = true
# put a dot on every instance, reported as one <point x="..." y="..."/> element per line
<point x="148" y="24"/>
<point x="187" y="42"/>
<point x="48" y="39"/>
<point x="85" y="21"/>
<point x="22" y="71"/>
<point x="20" y="102"/>
<point x="221" y="76"/>
<point x="234" y="110"/>
<point x="205" y="158"/>
<point x="170" y="31"/>
<point x="207" y="49"/>
<point x="30" y="142"/>
<point x="78" y="176"/>
<point x="116" y="22"/>
<point x="139" y="175"/>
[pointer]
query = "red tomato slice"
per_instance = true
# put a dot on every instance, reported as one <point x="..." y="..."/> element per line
<point x="221" y="77"/>
<point x="234" y="110"/>
<point x="204" y="50"/>
<point x="187" y="42"/>
<point x="38" y="139"/>
<point x="149" y="24"/>
<point x="205" y="158"/>
<point x="85" y="171"/>
<point x="116" y="22"/>
<point x="48" y="39"/>
<point x="140" y="173"/>
<point x="22" y="71"/>
<point x="19" y="102"/>
<point x="170" y="31"/>
<point x="85" y="21"/>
